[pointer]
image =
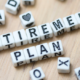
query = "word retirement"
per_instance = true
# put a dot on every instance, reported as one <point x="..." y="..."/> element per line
<point x="42" y="32"/>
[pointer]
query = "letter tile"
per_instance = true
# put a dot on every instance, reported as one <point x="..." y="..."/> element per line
<point x="77" y="16"/>
<point x="45" y="31"/>
<point x="2" y="17"/>
<point x="70" y="23"/>
<point x="37" y="74"/>
<point x="7" y="41"/>
<point x="1" y="46"/>
<point x="77" y="72"/>
<point x="33" y="35"/>
<point x="13" y="6"/>
<point x="18" y="58"/>
<point x="20" y="37"/>
<point x="28" y="2"/>
<point x="43" y="51"/>
<point x="63" y="65"/>
<point x="56" y="48"/>
<point x="31" y="54"/>
<point x="58" y="27"/>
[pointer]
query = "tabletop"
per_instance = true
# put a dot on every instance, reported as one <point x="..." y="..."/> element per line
<point x="44" y="11"/>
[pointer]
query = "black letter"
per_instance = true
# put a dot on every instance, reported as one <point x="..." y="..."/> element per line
<point x="45" y="57"/>
<point x="7" y="37"/>
<point x="8" y="45"/>
<point x="72" y="28"/>
<point x="0" y="17"/>
<point x="19" y="63"/>
<point x="20" y="37"/>
<point x="32" y="31"/>
<point x="12" y="3"/>
<point x="34" y="40"/>
<point x="29" y="53"/>
<point x="69" y="20"/>
<point x="57" y="46"/>
<point x="42" y="48"/>
<point x="56" y="54"/>
<point x="16" y="56"/>
<point x="31" y="61"/>
<point x="47" y="36"/>
<point x="38" y="72"/>
<point x="7" y="40"/>
<point x="0" y="23"/>
<point x="43" y="27"/>
<point x="79" y="15"/>
<point x="57" y="25"/>
<point x="60" y="32"/>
